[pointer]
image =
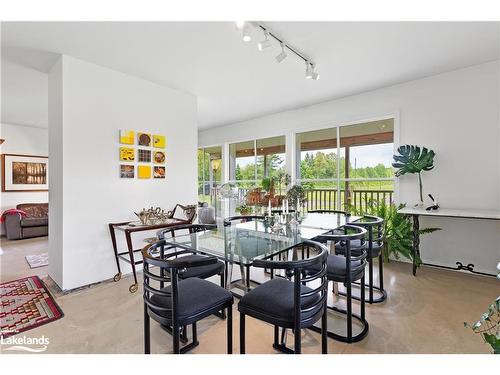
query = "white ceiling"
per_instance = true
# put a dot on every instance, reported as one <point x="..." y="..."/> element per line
<point x="232" y="79"/>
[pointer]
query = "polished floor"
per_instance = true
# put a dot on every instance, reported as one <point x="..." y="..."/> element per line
<point x="423" y="314"/>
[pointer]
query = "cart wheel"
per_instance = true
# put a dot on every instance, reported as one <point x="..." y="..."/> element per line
<point x="118" y="276"/>
<point x="133" y="288"/>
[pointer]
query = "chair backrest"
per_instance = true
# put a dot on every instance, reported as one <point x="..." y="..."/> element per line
<point x="230" y="219"/>
<point x="190" y="228"/>
<point x="346" y="234"/>
<point x="156" y="262"/>
<point x="374" y="225"/>
<point x="329" y="212"/>
<point x="300" y="271"/>
<point x="184" y="213"/>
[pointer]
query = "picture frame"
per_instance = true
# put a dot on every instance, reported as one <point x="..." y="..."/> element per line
<point x="27" y="173"/>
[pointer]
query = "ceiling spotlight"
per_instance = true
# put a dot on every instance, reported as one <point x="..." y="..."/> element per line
<point x="282" y="55"/>
<point x="245" y="32"/>
<point x="265" y="43"/>
<point x="240" y="24"/>
<point x="310" y="73"/>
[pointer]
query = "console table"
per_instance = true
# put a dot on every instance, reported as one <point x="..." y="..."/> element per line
<point x="129" y="227"/>
<point x="416" y="212"/>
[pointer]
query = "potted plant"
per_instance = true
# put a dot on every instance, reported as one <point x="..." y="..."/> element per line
<point x="489" y="324"/>
<point x="243" y="209"/>
<point x="398" y="229"/>
<point x="297" y="196"/>
<point x="412" y="159"/>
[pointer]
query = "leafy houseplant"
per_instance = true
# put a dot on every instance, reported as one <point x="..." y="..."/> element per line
<point x="297" y="196"/>
<point x="412" y="159"/>
<point x="489" y="324"/>
<point x="268" y="184"/>
<point x="398" y="229"/>
<point x="244" y="209"/>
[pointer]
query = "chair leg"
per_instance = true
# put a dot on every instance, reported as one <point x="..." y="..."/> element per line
<point x="381" y="271"/>
<point x="297" y="341"/>
<point x="230" y="330"/>
<point x="242" y="333"/>
<point x="349" y="312"/>
<point x="223" y="285"/>
<point x="147" y="332"/>
<point x="176" y="337"/>
<point x="195" y="333"/>
<point x="362" y="297"/>
<point x="324" y="331"/>
<point x="276" y="336"/>
<point x="370" y="280"/>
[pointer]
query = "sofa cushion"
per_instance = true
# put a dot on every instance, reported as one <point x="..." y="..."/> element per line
<point x="34" y="222"/>
<point x="36" y="210"/>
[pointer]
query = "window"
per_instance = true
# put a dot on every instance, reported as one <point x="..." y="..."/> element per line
<point x="251" y="161"/>
<point x="350" y="172"/>
<point x="209" y="173"/>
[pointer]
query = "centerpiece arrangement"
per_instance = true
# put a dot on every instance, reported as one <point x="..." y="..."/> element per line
<point x="153" y="216"/>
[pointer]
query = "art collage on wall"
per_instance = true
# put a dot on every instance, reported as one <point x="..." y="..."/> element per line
<point x="150" y="155"/>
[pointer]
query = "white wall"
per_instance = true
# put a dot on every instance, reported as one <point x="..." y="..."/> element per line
<point x="25" y="140"/>
<point x="457" y="115"/>
<point x="95" y="102"/>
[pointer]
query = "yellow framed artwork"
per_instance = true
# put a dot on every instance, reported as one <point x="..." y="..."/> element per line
<point x="159" y="157"/>
<point x="127" y="137"/>
<point x="127" y="154"/>
<point x="159" y="141"/>
<point x="144" y="171"/>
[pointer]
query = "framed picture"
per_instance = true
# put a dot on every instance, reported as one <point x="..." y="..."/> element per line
<point x="25" y="173"/>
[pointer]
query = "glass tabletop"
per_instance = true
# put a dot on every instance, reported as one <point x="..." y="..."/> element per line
<point x="242" y="242"/>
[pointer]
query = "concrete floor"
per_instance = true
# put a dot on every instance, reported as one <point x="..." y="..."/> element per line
<point x="423" y="314"/>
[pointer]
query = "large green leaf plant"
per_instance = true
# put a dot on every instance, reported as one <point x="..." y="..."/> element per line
<point x="398" y="229"/>
<point x="413" y="160"/>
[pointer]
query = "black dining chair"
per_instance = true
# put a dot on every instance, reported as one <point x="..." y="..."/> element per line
<point x="290" y="304"/>
<point x="346" y="269"/>
<point x="184" y="301"/>
<point x="373" y="242"/>
<point x="202" y="272"/>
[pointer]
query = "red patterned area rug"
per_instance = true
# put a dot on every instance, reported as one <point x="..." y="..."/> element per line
<point x="25" y="304"/>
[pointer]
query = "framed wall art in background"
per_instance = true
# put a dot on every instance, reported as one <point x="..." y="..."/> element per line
<point x="25" y="173"/>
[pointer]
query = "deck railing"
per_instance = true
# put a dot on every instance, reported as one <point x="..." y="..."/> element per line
<point x="326" y="199"/>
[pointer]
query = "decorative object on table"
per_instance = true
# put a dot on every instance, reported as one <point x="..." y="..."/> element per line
<point x="412" y="159"/>
<point x="398" y="229"/>
<point x="127" y="154"/>
<point x="2" y="140"/>
<point x="152" y="216"/>
<point x="144" y="156"/>
<point x="434" y="206"/>
<point x="36" y="261"/>
<point x="159" y="157"/>
<point x="158" y="172"/>
<point x="144" y="171"/>
<point x="297" y="197"/>
<point x="144" y="139"/>
<point x="127" y="171"/>
<point x="159" y="141"/>
<point x="24" y="173"/>
<point x="489" y="324"/>
<point x="127" y="137"/>
<point x="26" y="304"/>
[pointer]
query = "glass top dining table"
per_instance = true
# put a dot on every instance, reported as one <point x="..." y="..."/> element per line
<point x="242" y="242"/>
